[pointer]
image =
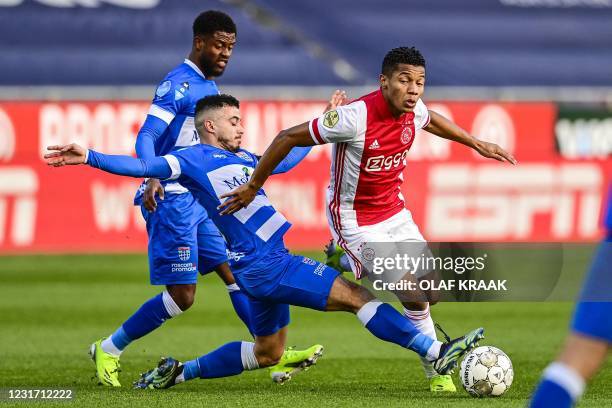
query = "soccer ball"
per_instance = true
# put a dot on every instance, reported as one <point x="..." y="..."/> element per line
<point x="486" y="372"/>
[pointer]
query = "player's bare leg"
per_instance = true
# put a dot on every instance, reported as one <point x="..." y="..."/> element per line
<point x="269" y="349"/>
<point x="583" y="354"/>
<point x="183" y="295"/>
<point x="579" y="360"/>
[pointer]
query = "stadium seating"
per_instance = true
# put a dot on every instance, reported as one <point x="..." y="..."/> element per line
<point x="466" y="43"/>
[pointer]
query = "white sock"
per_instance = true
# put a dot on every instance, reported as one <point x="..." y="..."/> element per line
<point x="171" y="307"/>
<point x="233" y="287"/>
<point x="433" y="352"/>
<point x="180" y="378"/>
<point x="247" y="353"/>
<point x="367" y="311"/>
<point x="421" y="319"/>
<point x="566" y="377"/>
<point x="109" y="347"/>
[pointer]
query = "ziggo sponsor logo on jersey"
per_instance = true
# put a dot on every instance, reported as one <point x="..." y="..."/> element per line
<point x="382" y="162"/>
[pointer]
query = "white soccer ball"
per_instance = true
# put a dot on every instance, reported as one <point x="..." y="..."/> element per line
<point x="486" y="372"/>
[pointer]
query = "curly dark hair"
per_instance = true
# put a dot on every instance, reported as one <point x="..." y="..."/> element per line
<point x="402" y="55"/>
<point x="211" y="21"/>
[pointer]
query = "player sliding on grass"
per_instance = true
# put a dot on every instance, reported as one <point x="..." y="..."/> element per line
<point x="262" y="266"/>
<point x="182" y="239"/>
<point x="371" y="137"/>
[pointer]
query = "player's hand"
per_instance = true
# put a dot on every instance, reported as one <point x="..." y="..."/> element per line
<point x="237" y="199"/>
<point x="338" y="98"/>
<point x="153" y="187"/>
<point x="62" y="155"/>
<point x="493" y="151"/>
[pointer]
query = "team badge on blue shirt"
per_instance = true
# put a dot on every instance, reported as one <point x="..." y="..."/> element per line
<point x="163" y="88"/>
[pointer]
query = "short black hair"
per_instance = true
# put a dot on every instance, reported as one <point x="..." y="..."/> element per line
<point x="402" y="55"/>
<point x="216" y="102"/>
<point x="211" y="21"/>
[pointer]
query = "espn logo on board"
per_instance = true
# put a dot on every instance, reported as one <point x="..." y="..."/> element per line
<point x="18" y="188"/>
<point x="7" y="137"/>
<point x="539" y="201"/>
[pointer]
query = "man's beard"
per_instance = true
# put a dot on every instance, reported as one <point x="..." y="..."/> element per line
<point x="209" y="67"/>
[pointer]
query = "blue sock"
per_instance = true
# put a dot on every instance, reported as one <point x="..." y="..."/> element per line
<point x="560" y="387"/>
<point x="241" y="304"/>
<point x="120" y="338"/>
<point x="147" y="318"/>
<point x="191" y="370"/>
<point x="229" y="359"/>
<point x="386" y="323"/>
<point x="551" y="394"/>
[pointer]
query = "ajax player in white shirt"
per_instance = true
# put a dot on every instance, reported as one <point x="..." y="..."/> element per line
<point x="371" y="138"/>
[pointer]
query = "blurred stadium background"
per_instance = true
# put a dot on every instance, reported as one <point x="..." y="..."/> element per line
<point x="534" y="76"/>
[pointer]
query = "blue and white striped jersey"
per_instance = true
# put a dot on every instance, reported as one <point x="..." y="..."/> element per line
<point x="209" y="172"/>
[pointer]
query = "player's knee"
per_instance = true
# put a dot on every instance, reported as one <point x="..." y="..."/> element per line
<point x="183" y="295"/>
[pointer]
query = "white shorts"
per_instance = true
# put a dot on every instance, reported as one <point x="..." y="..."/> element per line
<point x="400" y="228"/>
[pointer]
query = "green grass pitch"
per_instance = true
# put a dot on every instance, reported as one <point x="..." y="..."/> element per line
<point x="53" y="307"/>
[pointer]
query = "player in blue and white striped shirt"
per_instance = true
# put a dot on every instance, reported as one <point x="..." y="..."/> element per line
<point x="182" y="239"/>
<point x="262" y="266"/>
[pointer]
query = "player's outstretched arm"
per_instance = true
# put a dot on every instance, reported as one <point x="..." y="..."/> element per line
<point x="279" y="149"/>
<point x="275" y="160"/>
<point x="297" y="154"/>
<point x="440" y="126"/>
<point x="73" y="154"/>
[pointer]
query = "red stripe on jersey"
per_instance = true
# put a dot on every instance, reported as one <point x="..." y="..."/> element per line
<point x="334" y="206"/>
<point x="339" y="168"/>
<point x="315" y="131"/>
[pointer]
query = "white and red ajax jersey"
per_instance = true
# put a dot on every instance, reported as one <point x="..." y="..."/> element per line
<point x="369" y="158"/>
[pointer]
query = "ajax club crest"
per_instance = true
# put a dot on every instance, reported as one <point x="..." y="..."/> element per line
<point x="407" y="134"/>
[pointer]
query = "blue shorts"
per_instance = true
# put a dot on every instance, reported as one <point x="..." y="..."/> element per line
<point x="282" y="279"/>
<point x="182" y="241"/>
<point x="592" y="316"/>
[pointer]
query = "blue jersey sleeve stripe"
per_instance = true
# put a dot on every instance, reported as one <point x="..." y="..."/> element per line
<point x="161" y="113"/>
<point x="175" y="166"/>
<point x="273" y="224"/>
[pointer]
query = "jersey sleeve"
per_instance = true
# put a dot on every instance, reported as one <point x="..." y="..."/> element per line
<point x="421" y="115"/>
<point x="295" y="156"/>
<point x="152" y="129"/>
<point x="184" y="162"/>
<point x="342" y="124"/>
<point x="167" y="102"/>
<point x="130" y="166"/>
